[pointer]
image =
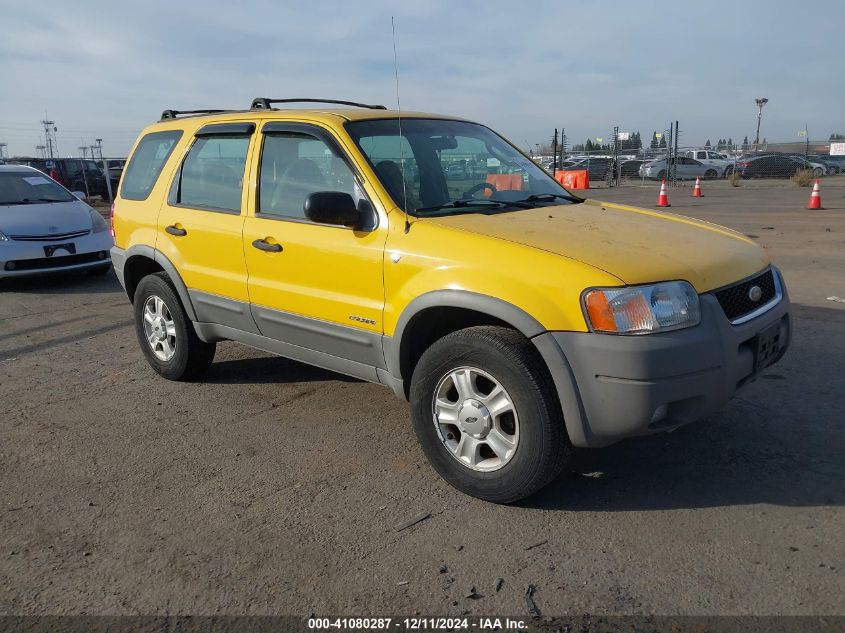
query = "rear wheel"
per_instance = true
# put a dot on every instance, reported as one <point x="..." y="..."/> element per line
<point x="487" y="415"/>
<point x="661" y="174"/>
<point x="165" y="332"/>
<point x="710" y="174"/>
<point x="818" y="172"/>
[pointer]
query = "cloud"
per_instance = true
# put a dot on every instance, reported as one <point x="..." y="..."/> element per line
<point x="107" y="69"/>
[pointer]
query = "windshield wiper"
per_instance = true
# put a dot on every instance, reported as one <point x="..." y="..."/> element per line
<point x="549" y="197"/>
<point x="462" y="203"/>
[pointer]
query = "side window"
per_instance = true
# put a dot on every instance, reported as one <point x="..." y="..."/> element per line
<point x="73" y="169"/>
<point x="294" y="165"/>
<point x="146" y="164"/>
<point x="212" y="174"/>
<point x="396" y="166"/>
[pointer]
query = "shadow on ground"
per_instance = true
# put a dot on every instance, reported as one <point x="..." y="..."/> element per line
<point x="71" y="282"/>
<point x="269" y="370"/>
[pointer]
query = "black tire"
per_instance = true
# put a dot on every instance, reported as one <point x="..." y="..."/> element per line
<point x="710" y="174"/>
<point x="191" y="357"/>
<point x="728" y="171"/>
<point x="543" y="447"/>
<point x="99" y="271"/>
<point x="661" y="175"/>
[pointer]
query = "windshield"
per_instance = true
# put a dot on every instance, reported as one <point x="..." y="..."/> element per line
<point x="452" y="167"/>
<point x="30" y="187"/>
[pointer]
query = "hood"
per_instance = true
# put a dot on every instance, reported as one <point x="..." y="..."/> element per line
<point x="635" y="245"/>
<point x="39" y="219"/>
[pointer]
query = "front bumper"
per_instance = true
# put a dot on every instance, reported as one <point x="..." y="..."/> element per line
<point x="28" y="258"/>
<point x="613" y="387"/>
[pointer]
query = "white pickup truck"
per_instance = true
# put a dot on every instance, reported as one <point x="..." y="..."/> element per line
<point x="711" y="157"/>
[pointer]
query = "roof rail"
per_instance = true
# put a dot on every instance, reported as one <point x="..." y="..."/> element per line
<point x="172" y="114"/>
<point x="263" y="103"/>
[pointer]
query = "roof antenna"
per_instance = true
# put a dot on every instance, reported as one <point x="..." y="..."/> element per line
<point x="399" y="113"/>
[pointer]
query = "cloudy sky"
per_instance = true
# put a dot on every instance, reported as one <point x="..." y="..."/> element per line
<point x="106" y="69"/>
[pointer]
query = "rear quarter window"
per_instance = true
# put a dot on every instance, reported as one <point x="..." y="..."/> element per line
<point x="146" y="164"/>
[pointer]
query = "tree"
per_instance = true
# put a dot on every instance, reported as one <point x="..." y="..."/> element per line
<point x="654" y="143"/>
<point x="837" y="137"/>
<point x="730" y="143"/>
<point x="745" y="143"/>
<point x="662" y="141"/>
<point x="707" y="144"/>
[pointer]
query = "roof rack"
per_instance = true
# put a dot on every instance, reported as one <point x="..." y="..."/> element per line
<point x="263" y="103"/>
<point x="172" y="114"/>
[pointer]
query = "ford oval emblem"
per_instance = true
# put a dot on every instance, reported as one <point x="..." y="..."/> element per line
<point x="755" y="293"/>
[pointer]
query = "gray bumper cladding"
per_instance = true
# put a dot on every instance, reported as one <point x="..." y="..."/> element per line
<point x="612" y="387"/>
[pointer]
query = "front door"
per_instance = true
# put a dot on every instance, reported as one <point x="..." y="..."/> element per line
<point x="317" y="286"/>
<point x="200" y="225"/>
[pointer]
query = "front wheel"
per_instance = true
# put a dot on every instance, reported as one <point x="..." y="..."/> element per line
<point x="165" y="333"/>
<point x="486" y="414"/>
<point x="710" y="174"/>
<point x="818" y="172"/>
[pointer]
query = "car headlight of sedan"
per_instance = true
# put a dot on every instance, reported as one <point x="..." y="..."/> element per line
<point x="662" y="307"/>
<point x="98" y="224"/>
<point x="3" y="238"/>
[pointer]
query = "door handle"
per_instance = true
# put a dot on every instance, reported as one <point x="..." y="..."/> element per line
<point x="175" y="230"/>
<point x="263" y="245"/>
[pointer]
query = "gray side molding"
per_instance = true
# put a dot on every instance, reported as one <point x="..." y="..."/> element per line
<point x="497" y="308"/>
<point x="150" y="253"/>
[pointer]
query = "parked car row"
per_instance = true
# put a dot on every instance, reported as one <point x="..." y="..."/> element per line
<point x="78" y="174"/>
<point x="707" y="164"/>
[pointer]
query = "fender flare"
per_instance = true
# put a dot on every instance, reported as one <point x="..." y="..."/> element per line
<point x="142" y="250"/>
<point x="518" y="318"/>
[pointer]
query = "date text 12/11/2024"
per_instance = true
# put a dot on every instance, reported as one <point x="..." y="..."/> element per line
<point x="417" y="624"/>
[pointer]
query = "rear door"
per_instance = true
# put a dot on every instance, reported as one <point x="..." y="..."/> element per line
<point x="200" y="224"/>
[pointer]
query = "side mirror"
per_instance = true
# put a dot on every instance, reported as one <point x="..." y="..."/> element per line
<point x="79" y="195"/>
<point x="331" y="207"/>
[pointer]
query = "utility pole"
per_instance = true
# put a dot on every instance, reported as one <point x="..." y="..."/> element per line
<point x="807" y="137"/>
<point x="42" y="151"/>
<point x="3" y="147"/>
<point x="554" y="153"/>
<point x="562" y="144"/>
<point x="50" y="130"/>
<point x="100" y="147"/>
<point x="760" y="103"/>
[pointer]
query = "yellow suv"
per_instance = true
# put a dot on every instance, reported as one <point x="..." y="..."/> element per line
<point x="428" y="254"/>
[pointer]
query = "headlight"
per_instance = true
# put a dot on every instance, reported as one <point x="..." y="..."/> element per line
<point x="98" y="224"/>
<point x="3" y="238"/>
<point x="643" y="309"/>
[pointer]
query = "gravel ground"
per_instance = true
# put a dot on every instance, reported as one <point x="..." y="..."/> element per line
<point x="276" y="488"/>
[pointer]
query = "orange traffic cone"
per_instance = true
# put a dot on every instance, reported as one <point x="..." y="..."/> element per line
<point x="696" y="192"/>
<point x="815" y="197"/>
<point x="663" y="198"/>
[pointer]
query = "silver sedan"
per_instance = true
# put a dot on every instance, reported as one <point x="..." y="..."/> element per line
<point x="686" y="169"/>
<point x="45" y="228"/>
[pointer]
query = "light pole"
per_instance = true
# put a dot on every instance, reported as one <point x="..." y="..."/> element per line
<point x="760" y="103"/>
<point x="100" y="146"/>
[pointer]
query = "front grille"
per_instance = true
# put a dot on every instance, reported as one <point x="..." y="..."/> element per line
<point x="735" y="300"/>
<point x="52" y="237"/>
<point x="42" y="263"/>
